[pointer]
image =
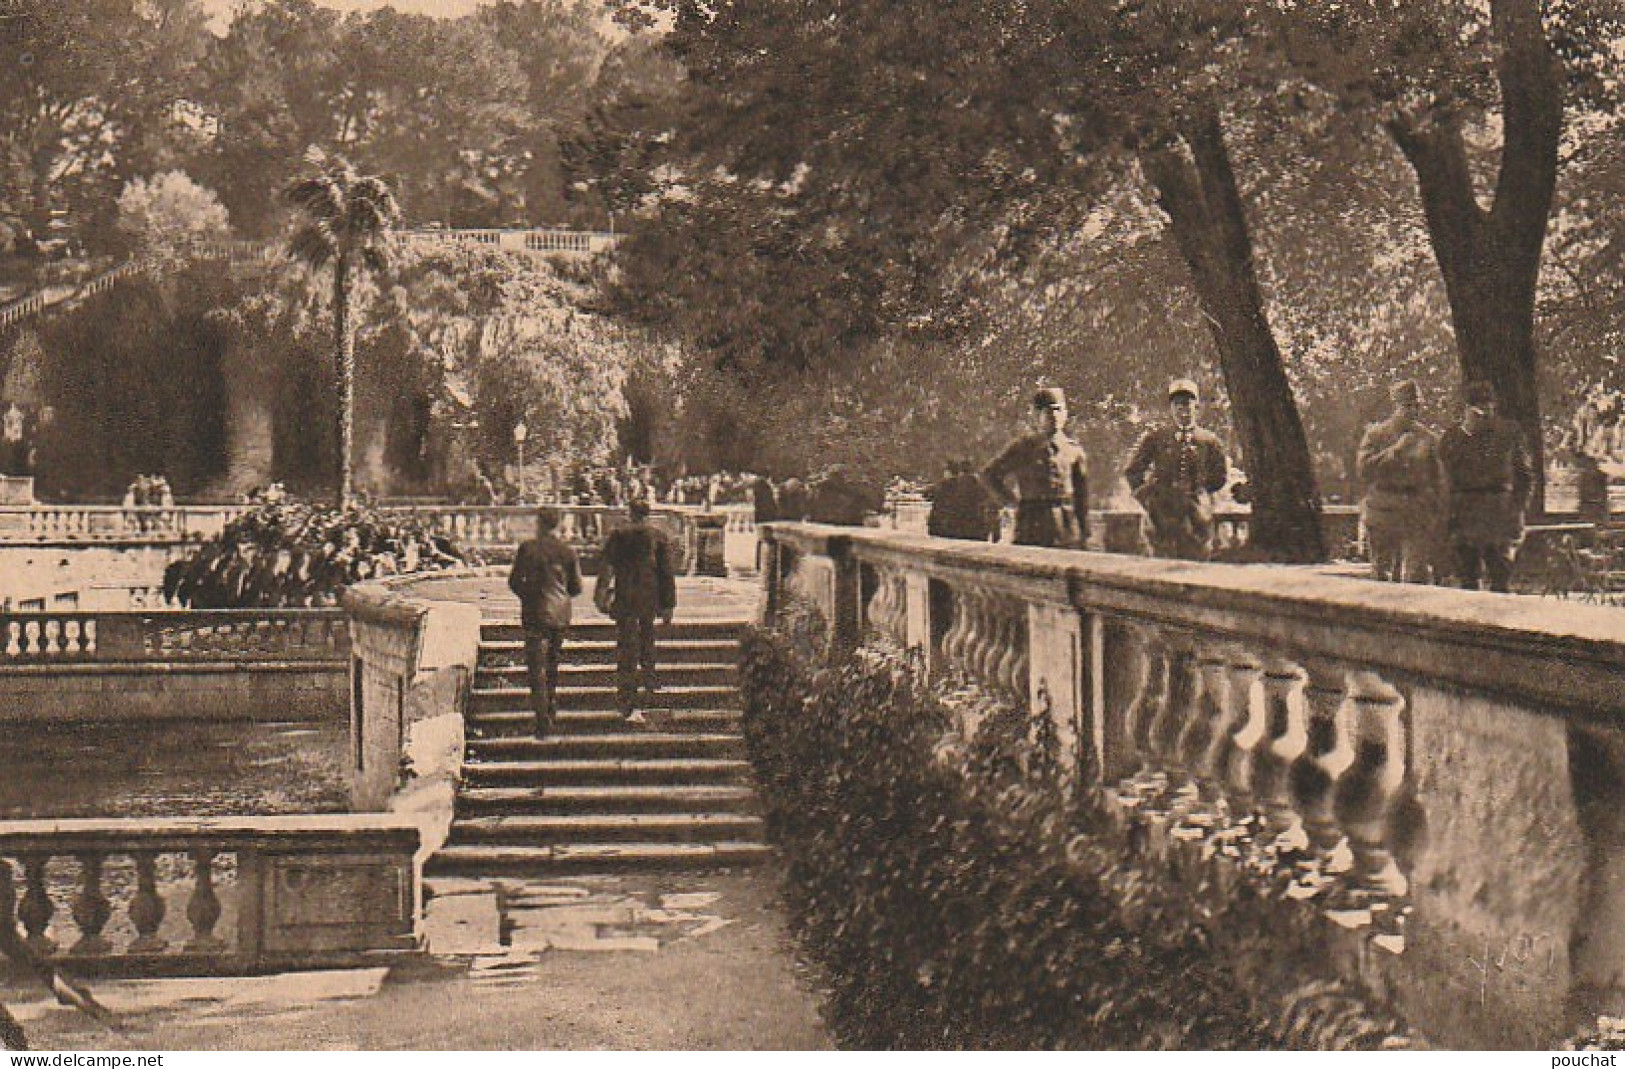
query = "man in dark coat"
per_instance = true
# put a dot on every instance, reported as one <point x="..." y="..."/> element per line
<point x="961" y="508"/>
<point x="545" y="577"/>
<point x="1051" y="475"/>
<point x="636" y="584"/>
<point x="764" y="501"/>
<point x="1488" y="477"/>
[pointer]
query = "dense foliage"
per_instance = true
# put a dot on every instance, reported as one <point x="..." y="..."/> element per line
<point x="290" y="554"/>
<point x="957" y="897"/>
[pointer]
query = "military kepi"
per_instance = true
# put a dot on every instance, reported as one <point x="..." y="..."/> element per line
<point x="1049" y="397"/>
<point x="1183" y="387"/>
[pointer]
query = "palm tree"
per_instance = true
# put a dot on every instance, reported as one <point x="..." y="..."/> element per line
<point x="347" y="221"/>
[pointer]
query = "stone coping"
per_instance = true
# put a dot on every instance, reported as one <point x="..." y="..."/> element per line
<point x="116" y="834"/>
<point x="1548" y="651"/>
<point x="162" y="668"/>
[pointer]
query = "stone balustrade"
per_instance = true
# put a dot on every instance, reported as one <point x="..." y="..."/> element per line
<point x="215" y="896"/>
<point x="80" y="523"/>
<point x="697" y="534"/>
<point x="1435" y="775"/>
<point x="170" y="636"/>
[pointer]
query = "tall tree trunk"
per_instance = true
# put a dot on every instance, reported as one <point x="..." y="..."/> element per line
<point x="346" y="379"/>
<point x="1196" y="187"/>
<point x="1490" y="258"/>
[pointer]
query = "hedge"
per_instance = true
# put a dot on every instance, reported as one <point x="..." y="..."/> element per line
<point x="962" y="897"/>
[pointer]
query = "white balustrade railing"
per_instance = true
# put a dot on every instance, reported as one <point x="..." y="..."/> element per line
<point x="210" y="896"/>
<point x="1426" y="771"/>
<point x="44" y="523"/>
<point x="166" y="636"/>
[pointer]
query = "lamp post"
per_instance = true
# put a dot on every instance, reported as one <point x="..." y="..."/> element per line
<point x="520" y="433"/>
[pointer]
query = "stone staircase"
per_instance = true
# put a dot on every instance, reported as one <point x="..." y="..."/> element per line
<point x="599" y="794"/>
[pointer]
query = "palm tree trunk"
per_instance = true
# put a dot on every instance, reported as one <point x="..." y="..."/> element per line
<point x="346" y="379"/>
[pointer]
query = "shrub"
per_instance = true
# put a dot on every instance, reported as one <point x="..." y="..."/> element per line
<point x="287" y="554"/>
<point x="958" y="896"/>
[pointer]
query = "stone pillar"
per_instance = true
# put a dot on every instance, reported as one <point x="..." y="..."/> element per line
<point x="917" y="615"/>
<point x="846" y="619"/>
<point x="710" y="544"/>
<point x="1055" y="680"/>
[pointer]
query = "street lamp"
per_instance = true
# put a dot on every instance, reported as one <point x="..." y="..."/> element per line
<point x="520" y="433"/>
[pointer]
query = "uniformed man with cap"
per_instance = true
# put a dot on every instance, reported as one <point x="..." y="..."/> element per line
<point x="1051" y="475"/>
<point x="1488" y="477"/>
<point x="1174" y="472"/>
<point x="1398" y="463"/>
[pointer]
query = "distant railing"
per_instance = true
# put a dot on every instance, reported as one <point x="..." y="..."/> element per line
<point x="211" y="896"/>
<point x="168" y="636"/>
<point x="547" y="241"/>
<point x="44" y="523"/>
<point x="501" y="527"/>
<point x="1122" y="530"/>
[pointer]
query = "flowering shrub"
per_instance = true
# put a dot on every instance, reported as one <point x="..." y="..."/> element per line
<point x="958" y="895"/>
<point x="287" y="553"/>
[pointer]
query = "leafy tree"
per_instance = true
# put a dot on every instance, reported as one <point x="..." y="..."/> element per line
<point x="91" y="93"/>
<point x="347" y="219"/>
<point x="169" y="211"/>
<point x="1475" y="97"/>
<point x="867" y="155"/>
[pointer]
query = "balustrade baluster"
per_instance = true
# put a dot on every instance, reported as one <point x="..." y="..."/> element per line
<point x="147" y="907"/>
<point x="982" y="652"/>
<point x="1326" y="756"/>
<point x="31" y="639"/>
<point x="1367" y="792"/>
<point x="1020" y="666"/>
<point x="91" y="909"/>
<point x="73" y="644"/>
<point x="51" y="637"/>
<point x="203" y="909"/>
<point x="14" y="637"/>
<point x="953" y="640"/>
<point x="1149" y="695"/>
<point x="1250" y="714"/>
<point x="1176" y="709"/>
<point x="1007" y="635"/>
<point x="1287" y="738"/>
<point x="36" y="909"/>
<point x="1206" y="742"/>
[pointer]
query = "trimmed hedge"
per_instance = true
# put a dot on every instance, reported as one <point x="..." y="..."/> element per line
<point x="958" y="897"/>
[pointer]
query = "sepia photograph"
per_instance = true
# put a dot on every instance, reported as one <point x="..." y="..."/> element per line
<point x="812" y="525"/>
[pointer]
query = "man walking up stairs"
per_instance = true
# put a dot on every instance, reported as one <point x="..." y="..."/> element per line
<point x="598" y="793"/>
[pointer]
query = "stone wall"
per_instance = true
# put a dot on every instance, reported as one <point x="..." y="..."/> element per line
<point x="412" y="668"/>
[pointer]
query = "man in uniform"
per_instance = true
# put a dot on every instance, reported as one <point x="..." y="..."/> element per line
<point x="1174" y="472"/>
<point x="1051" y="475"/>
<point x="1398" y="464"/>
<point x="960" y="507"/>
<point x="545" y="577"/>
<point x="1488" y="476"/>
<point x="636" y="584"/>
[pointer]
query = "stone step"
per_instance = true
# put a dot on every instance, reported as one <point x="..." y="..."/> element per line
<point x="603" y="722"/>
<point x="602" y="651"/>
<point x="599" y="800"/>
<point x="600" y="630"/>
<point x="517" y="699"/>
<point x="587" y="771"/>
<point x="603" y="675"/>
<point x="544" y="830"/>
<point x="616" y="744"/>
<point x="505" y="860"/>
